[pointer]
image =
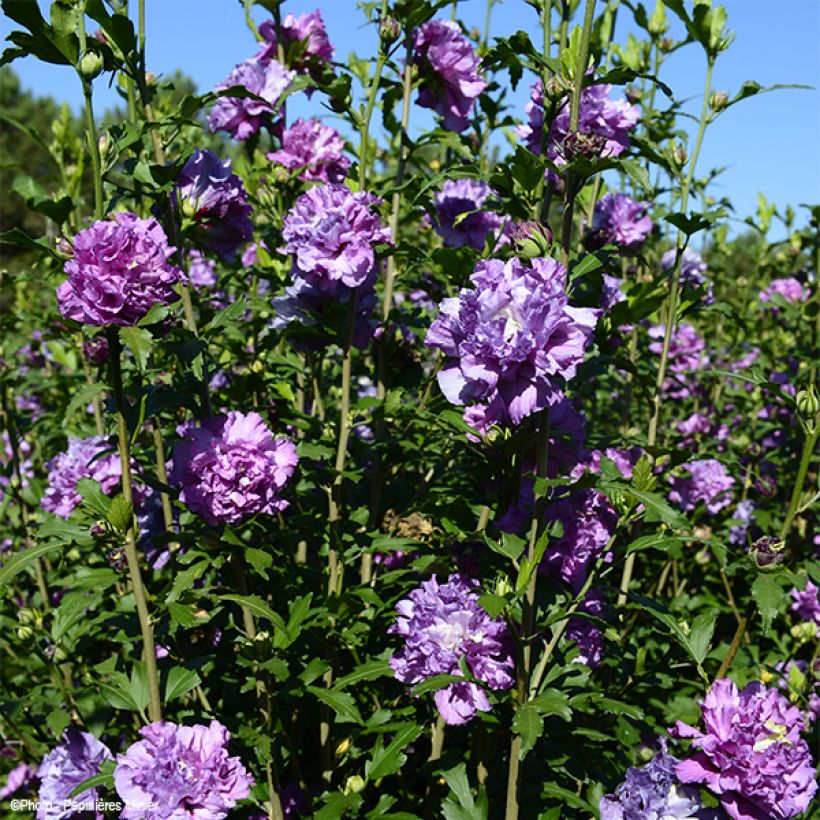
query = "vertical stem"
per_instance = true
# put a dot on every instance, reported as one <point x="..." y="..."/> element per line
<point x="95" y="400"/>
<point x="162" y="475"/>
<point x="805" y="460"/>
<point x="146" y="628"/>
<point x="671" y="309"/>
<point x="91" y="130"/>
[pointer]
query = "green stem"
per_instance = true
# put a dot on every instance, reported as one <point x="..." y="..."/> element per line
<point x="805" y="459"/>
<point x="146" y="628"/>
<point x="90" y="127"/>
<point x="671" y="308"/>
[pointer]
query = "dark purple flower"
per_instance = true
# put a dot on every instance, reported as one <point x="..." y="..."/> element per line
<point x="806" y="604"/>
<point x="214" y="199"/>
<point x="459" y="218"/>
<point x="18" y="778"/>
<point x="588" y="636"/>
<point x="598" y="115"/>
<point x="178" y="772"/>
<point x="619" y="220"/>
<point x="692" y="270"/>
<point x="751" y="754"/>
<point x="120" y="270"/>
<point x="744" y="517"/>
<point x="242" y="117"/>
<point x="449" y="68"/>
<point x="441" y="623"/>
<point x="78" y="758"/>
<point x="96" y="350"/>
<point x="788" y="288"/>
<point x="313" y="151"/>
<point x="331" y="232"/>
<point x="611" y="292"/>
<point x="304" y="38"/>
<point x="512" y="340"/>
<point x="232" y="467"/>
<point x="708" y="481"/>
<point x="652" y="792"/>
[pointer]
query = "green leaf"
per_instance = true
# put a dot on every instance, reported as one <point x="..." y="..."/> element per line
<point x="120" y="514"/>
<point x="40" y="200"/>
<point x="700" y="634"/>
<point x="435" y="683"/>
<point x="93" y="497"/>
<point x="341" y="703"/>
<point x="179" y="682"/>
<point x="528" y="723"/>
<point x="16" y="563"/>
<point x="258" y="607"/>
<point x="553" y="702"/>
<point x="390" y="759"/>
<point x="139" y="685"/>
<point x="769" y="596"/>
<point x="511" y="545"/>
<point x="138" y="341"/>
<point x="83" y="397"/>
<point x="104" y="778"/>
<point x="185" y="580"/>
<point x="370" y="670"/>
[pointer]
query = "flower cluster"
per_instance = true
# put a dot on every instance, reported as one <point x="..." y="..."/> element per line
<point x="215" y="200"/>
<point x="304" y="38"/>
<point x="751" y="754"/>
<point x="586" y="635"/>
<point x="180" y="772"/>
<point x="449" y="69"/>
<point x="788" y="288"/>
<point x="119" y="271"/>
<point x="604" y="118"/>
<point x="242" y="117"/>
<point x="232" y="467"/>
<point x="652" y="792"/>
<point x="441" y="623"/>
<point x="313" y="151"/>
<point x="687" y="353"/>
<point x="619" y="220"/>
<point x="708" y="481"/>
<point x="459" y="218"/>
<point x="512" y="340"/>
<point x="76" y="759"/>
<point x="85" y="458"/>
<point x="331" y="232"/>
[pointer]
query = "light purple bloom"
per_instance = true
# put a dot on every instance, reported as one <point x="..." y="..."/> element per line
<point x="751" y="754"/>
<point x="215" y="200"/>
<point x="331" y="232"/>
<point x="18" y="778"/>
<point x="512" y="340"/>
<point x="201" y="270"/>
<point x="587" y="636"/>
<point x="806" y="604"/>
<point x="185" y="771"/>
<point x="449" y="68"/>
<point x="692" y="268"/>
<point x="304" y="38"/>
<point x="687" y="353"/>
<point x="611" y="293"/>
<point x="119" y="271"/>
<point x="313" y="149"/>
<point x="77" y="759"/>
<point x="242" y="117"/>
<point x="610" y="120"/>
<point x="619" y="220"/>
<point x="744" y="516"/>
<point x="652" y="792"/>
<point x="708" y="481"/>
<point x="788" y="288"/>
<point x="459" y="218"/>
<point x="442" y="623"/>
<point x="83" y="459"/>
<point x="232" y="467"/>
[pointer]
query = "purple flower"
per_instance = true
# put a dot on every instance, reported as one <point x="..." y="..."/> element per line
<point x="83" y="459"/>
<point x="686" y="354"/>
<point x="599" y="116"/>
<point x="96" y="350"/>
<point x="314" y="150"/>
<point x="18" y="778"/>
<point x="512" y="340"/>
<point x="692" y="270"/>
<point x="78" y="758"/>
<point x="304" y="38"/>
<point x="611" y="292"/>
<point x="806" y="604"/>
<point x="232" y="467"/>
<point x="201" y="270"/>
<point x="744" y="516"/>
<point x="331" y="232"/>
<point x="442" y="623"/>
<point x="459" y="218"/>
<point x="652" y="792"/>
<point x="587" y="636"/>
<point x="215" y="200"/>
<point x="242" y="117"/>
<point x="178" y="772"/>
<point x="751" y="754"/>
<point x="449" y="70"/>
<point x="708" y="481"/>
<point x="788" y="288"/>
<point x="24" y="466"/>
<point x="619" y="220"/>
<point x="120" y="270"/>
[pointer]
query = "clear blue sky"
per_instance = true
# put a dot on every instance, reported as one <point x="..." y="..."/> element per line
<point x="770" y="143"/>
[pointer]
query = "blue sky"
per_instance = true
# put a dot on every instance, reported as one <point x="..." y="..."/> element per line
<point x="769" y="143"/>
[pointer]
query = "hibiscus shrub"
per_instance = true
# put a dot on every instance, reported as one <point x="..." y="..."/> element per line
<point x="364" y="465"/>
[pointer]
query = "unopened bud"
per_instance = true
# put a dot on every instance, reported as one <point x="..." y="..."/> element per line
<point x="389" y="30"/>
<point x="585" y="143"/>
<point x="342" y="747"/>
<point x="718" y="100"/>
<point x="532" y="239"/>
<point x="807" y="403"/>
<point x="65" y="247"/>
<point x="767" y="553"/>
<point x="103" y="144"/>
<point x="99" y="36"/>
<point x="503" y="586"/>
<point x="355" y="783"/>
<point x="679" y="154"/>
<point x="666" y="44"/>
<point x="633" y="94"/>
<point x="96" y="352"/>
<point x="804" y="632"/>
<point x="25" y="633"/>
<point x="150" y="77"/>
<point x="91" y="65"/>
<point x="25" y="615"/>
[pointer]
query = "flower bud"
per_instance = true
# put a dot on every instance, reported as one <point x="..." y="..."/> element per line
<point x="807" y="403"/>
<point x="103" y="144"/>
<point x="342" y="747"/>
<point x="355" y="783"/>
<point x="532" y="239"/>
<point x="585" y="143"/>
<point x="804" y="631"/>
<point x="150" y="78"/>
<point x="389" y="30"/>
<point x="679" y="154"/>
<point x="503" y="586"/>
<point x="96" y="352"/>
<point x="767" y="553"/>
<point x="25" y="633"/>
<point x="718" y="100"/>
<point x="91" y="65"/>
<point x="65" y="247"/>
<point x="25" y="615"/>
<point x="666" y="44"/>
<point x="633" y="94"/>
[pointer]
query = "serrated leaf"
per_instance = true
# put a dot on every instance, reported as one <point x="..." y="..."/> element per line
<point x="528" y="723"/>
<point x="139" y="342"/>
<point x="179" y="682"/>
<point x="93" y="497"/>
<point x="83" y="397"/>
<point x="700" y="634"/>
<point x="258" y="607"/>
<point x="341" y="703"/>
<point x="769" y="597"/>
<point x="120" y="514"/>
<point x="370" y="670"/>
<point x="390" y="759"/>
<point x="553" y="702"/>
<point x="18" y="561"/>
